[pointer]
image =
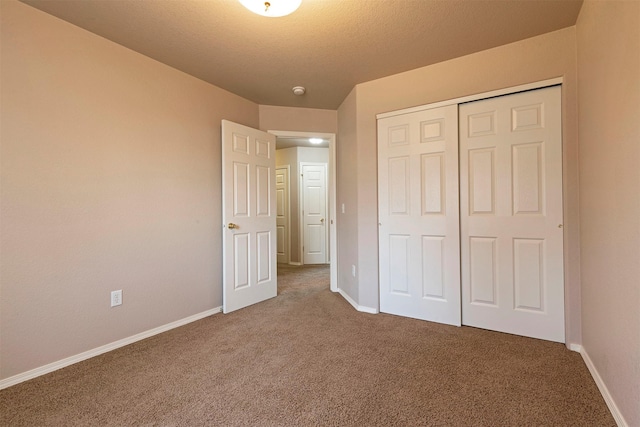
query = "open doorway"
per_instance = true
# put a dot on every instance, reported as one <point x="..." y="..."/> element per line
<point x="295" y="230"/>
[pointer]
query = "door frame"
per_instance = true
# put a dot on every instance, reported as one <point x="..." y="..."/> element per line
<point x="331" y="177"/>
<point x="301" y="192"/>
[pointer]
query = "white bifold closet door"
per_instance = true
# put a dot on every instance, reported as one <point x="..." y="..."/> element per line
<point x="419" y="215"/>
<point x="484" y="250"/>
<point x="511" y="214"/>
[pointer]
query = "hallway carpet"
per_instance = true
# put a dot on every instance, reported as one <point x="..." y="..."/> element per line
<point x="308" y="358"/>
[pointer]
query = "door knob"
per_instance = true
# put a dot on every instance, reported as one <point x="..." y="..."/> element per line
<point x="322" y="220"/>
<point x="232" y="226"/>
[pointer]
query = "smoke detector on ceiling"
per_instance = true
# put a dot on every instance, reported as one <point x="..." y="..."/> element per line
<point x="298" y="90"/>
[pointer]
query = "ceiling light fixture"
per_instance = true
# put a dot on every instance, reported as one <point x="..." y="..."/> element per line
<point x="298" y="90"/>
<point x="315" y="140"/>
<point x="271" y="8"/>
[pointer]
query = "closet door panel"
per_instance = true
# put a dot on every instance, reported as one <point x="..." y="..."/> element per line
<point x="419" y="215"/>
<point x="511" y="214"/>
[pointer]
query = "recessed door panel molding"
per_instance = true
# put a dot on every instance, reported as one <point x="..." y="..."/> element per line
<point x="482" y="181"/>
<point x="528" y="179"/>
<point x="263" y="148"/>
<point x="263" y="246"/>
<point x="527" y="117"/>
<point x="249" y="216"/>
<point x="240" y="143"/>
<point x="399" y="186"/>
<point x="398" y="135"/>
<point x="482" y="270"/>
<point x="399" y="263"/>
<point x="419" y="215"/>
<point x="432" y="130"/>
<point x="241" y="189"/>
<point x="512" y="260"/>
<point x="241" y="277"/>
<point x="263" y="193"/>
<point x="315" y="196"/>
<point x="528" y="274"/>
<point x="314" y="244"/>
<point x="314" y="175"/>
<point x="481" y="124"/>
<point x="433" y="180"/>
<point x="433" y="273"/>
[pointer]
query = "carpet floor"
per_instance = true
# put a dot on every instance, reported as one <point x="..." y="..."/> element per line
<point x="308" y="358"/>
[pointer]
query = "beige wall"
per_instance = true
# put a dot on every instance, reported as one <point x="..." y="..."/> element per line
<point x="298" y="119"/>
<point x="539" y="58"/>
<point x="347" y="194"/>
<point x="608" y="36"/>
<point x="110" y="171"/>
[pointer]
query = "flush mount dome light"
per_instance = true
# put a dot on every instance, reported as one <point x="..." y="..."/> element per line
<point x="271" y="8"/>
<point x="315" y="140"/>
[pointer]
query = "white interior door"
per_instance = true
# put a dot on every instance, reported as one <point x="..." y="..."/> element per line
<point x="314" y="213"/>
<point x="419" y="215"/>
<point x="282" y="214"/>
<point x="511" y="214"/>
<point x="249" y="216"/>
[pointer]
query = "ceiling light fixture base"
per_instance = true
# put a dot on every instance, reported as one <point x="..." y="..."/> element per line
<point x="271" y="8"/>
<point x="299" y="90"/>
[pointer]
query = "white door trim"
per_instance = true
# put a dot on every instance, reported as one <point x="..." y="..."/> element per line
<point x="333" y="246"/>
<point x="475" y="97"/>
<point x="301" y="192"/>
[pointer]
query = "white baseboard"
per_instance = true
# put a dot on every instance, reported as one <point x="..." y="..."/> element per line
<point x="574" y="347"/>
<point x="295" y="263"/>
<point x="355" y="305"/>
<point x="33" y="373"/>
<point x="366" y="309"/>
<point x="617" y="415"/>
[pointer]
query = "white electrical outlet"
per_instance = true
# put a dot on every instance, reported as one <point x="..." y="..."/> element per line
<point x="343" y="208"/>
<point x="116" y="298"/>
<point x="353" y="270"/>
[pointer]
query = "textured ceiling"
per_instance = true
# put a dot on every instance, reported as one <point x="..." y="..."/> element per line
<point x="328" y="46"/>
